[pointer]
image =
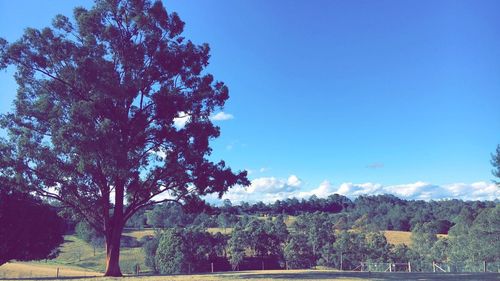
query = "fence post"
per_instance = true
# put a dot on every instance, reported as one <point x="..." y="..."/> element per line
<point x="484" y="266"/>
<point x="433" y="267"/>
<point x="57" y="273"/>
<point x="212" y="266"/>
<point x="409" y="267"/>
<point x="340" y="260"/>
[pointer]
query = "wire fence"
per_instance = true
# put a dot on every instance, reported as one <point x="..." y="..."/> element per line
<point x="457" y="267"/>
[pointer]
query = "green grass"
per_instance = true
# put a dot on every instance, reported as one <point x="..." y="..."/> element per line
<point x="79" y="254"/>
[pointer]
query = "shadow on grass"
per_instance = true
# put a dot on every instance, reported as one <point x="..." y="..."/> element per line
<point x="312" y="275"/>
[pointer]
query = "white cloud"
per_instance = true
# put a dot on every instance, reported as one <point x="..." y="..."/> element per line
<point x="425" y="191"/>
<point x="350" y="189"/>
<point x="266" y="189"/>
<point x="221" y="116"/>
<point x="322" y="191"/>
<point x="475" y="191"/>
<point x="270" y="189"/>
<point x="293" y="180"/>
<point x="181" y="121"/>
<point x="183" y="118"/>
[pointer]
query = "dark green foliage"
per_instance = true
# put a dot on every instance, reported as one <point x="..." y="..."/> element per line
<point x="310" y="238"/>
<point x="167" y="215"/>
<point x="377" y="248"/>
<point x="183" y="250"/>
<point x="149" y="246"/>
<point x="29" y="229"/>
<point x="476" y="238"/>
<point x="204" y="220"/>
<point x="236" y="246"/>
<point x="298" y="254"/>
<point x="137" y="220"/>
<point x="85" y="232"/>
<point x="423" y="237"/>
<point x="225" y="219"/>
<point x="200" y="248"/>
<point x="170" y="255"/>
<point x="260" y="238"/>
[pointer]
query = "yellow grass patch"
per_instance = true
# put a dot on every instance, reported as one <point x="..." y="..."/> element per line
<point x="402" y="237"/>
<point x="37" y="270"/>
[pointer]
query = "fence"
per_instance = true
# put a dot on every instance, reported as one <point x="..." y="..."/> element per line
<point x="430" y="267"/>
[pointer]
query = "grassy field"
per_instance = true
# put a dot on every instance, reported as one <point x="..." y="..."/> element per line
<point x="402" y="237"/>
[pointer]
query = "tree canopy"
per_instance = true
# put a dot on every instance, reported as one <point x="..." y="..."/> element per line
<point x="94" y="122"/>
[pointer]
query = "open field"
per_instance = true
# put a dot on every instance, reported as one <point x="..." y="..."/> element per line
<point x="37" y="270"/>
<point x="293" y="275"/>
<point x="402" y="237"/>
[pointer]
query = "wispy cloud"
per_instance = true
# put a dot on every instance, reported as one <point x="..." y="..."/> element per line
<point x="376" y="165"/>
<point x="264" y="169"/>
<point x="221" y="116"/>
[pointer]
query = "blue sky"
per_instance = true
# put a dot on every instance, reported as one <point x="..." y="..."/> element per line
<point x="357" y="97"/>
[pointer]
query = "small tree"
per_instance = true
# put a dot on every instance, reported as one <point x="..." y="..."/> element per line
<point x="149" y="247"/>
<point x="495" y="161"/>
<point x="170" y="254"/>
<point x="236" y="247"/>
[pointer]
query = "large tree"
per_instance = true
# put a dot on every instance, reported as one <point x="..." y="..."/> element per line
<point x="94" y="122"/>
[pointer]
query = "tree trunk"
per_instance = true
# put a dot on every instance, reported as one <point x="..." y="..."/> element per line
<point x="114" y="234"/>
<point x="113" y="254"/>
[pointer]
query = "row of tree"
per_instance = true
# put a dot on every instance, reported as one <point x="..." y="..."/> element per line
<point x="375" y="213"/>
<point x="313" y="240"/>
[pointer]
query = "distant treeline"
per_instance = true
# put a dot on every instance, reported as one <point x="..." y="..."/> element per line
<point x="380" y="212"/>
